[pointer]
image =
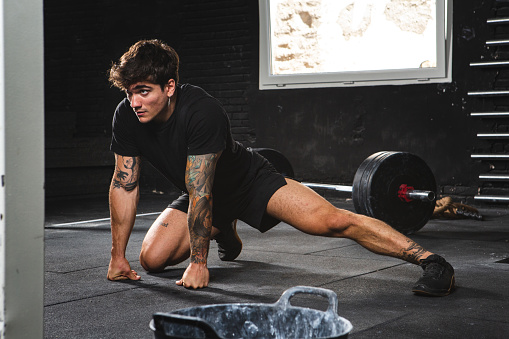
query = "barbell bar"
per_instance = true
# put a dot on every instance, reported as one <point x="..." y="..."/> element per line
<point x="406" y="192"/>
<point x="340" y="188"/>
<point x="396" y="187"/>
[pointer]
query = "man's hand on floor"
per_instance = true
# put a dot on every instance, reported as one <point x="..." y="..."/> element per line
<point x="195" y="276"/>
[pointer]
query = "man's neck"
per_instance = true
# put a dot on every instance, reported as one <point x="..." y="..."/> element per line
<point x="171" y="108"/>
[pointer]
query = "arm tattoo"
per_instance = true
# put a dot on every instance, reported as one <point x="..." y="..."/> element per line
<point x="412" y="253"/>
<point x="126" y="173"/>
<point x="200" y="172"/>
<point x="200" y="223"/>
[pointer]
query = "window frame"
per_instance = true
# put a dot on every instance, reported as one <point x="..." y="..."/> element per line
<point x="440" y="74"/>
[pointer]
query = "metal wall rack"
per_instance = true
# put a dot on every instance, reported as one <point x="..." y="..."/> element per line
<point x="494" y="175"/>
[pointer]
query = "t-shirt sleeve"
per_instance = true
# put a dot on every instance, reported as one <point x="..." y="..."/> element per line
<point x="122" y="137"/>
<point x="207" y="129"/>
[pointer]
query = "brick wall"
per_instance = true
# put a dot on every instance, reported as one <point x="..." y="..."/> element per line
<point x="215" y="39"/>
<point x="76" y="126"/>
<point x="217" y="53"/>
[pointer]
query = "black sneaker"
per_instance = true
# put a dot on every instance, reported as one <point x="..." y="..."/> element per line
<point x="437" y="278"/>
<point x="229" y="244"/>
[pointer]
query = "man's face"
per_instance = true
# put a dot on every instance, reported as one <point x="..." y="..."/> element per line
<point x="149" y="101"/>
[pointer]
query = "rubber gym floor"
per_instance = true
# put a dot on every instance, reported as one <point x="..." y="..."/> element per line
<point x="374" y="292"/>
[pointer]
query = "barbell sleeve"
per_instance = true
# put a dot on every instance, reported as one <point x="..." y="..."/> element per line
<point x="421" y="195"/>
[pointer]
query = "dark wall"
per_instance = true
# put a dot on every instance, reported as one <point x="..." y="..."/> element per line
<point x="326" y="133"/>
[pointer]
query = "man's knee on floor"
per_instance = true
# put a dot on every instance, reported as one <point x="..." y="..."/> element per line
<point x="151" y="262"/>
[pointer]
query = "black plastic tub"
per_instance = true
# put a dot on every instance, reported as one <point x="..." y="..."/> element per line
<point x="278" y="320"/>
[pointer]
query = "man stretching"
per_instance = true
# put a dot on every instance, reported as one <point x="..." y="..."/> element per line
<point x="185" y="133"/>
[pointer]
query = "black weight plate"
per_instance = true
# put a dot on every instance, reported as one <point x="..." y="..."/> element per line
<point x="376" y="185"/>
<point x="278" y="160"/>
<point x="359" y="191"/>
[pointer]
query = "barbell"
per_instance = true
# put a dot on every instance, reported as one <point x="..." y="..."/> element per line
<point x="396" y="187"/>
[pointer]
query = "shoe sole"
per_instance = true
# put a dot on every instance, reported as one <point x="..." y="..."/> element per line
<point x="440" y="293"/>
<point x="236" y="251"/>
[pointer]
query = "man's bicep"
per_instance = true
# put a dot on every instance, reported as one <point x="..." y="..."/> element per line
<point x="127" y="172"/>
<point x="200" y="171"/>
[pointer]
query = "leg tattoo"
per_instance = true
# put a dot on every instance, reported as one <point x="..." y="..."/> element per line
<point x="413" y="253"/>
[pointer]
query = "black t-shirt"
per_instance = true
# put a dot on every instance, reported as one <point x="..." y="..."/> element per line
<point x="198" y="125"/>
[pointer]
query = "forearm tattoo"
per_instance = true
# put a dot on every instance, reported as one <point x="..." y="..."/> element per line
<point x="412" y="253"/>
<point x="199" y="179"/>
<point x="126" y="173"/>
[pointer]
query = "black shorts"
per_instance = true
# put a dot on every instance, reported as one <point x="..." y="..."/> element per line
<point x="250" y="208"/>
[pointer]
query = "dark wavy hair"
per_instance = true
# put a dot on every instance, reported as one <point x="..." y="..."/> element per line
<point x="146" y="60"/>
